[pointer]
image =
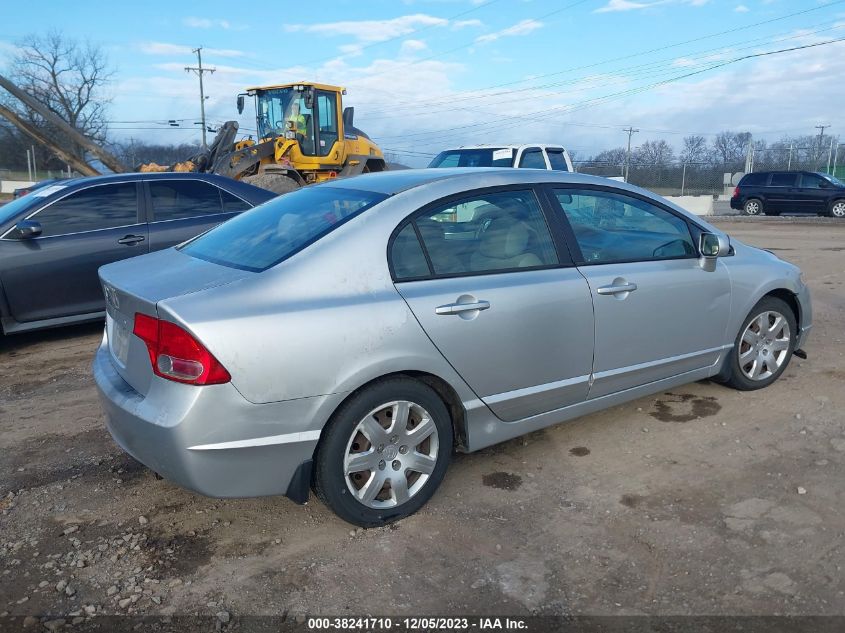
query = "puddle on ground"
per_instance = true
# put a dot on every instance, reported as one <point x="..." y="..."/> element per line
<point x="631" y="501"/>
<point x="579" y="451"/>
<point x="684" y="407"/>
<point x="502" y="480"/>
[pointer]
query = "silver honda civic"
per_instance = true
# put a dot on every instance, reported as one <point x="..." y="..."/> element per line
<point x="349" y="336"/>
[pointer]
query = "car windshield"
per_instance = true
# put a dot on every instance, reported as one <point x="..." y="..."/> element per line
<point x="833" y="179"/>
<point x="272" y="232"/>
<point x="481" y="157"/>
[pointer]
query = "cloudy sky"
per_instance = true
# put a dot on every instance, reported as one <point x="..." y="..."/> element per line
<point x="424" y="75"/>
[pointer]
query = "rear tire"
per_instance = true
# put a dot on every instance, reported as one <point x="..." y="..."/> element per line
<point x="753" y="206"/>
<point x="764" y="345"/>
<point x="277" y="183"/>
<point x="837" y="209"/>
<point x="370" y="468"/>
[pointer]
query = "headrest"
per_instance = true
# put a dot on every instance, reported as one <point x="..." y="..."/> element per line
<point x="504" y="239"/>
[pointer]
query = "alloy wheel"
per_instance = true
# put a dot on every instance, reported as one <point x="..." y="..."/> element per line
<point x="391" y="454"/>
<point x="764" y="345"/>
<point x="752" y="207"/>
<point x="838" y="209"/>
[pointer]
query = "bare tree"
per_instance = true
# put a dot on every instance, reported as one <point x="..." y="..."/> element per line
<point x="730" y="148"/>
<point x="694" y="150"/>
<point x="68" y="77"/>
<point x="654" y="154"/>
<point x="615" y="157"/>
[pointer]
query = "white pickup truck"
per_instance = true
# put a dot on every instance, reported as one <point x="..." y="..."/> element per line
<point x="528" y="156"/>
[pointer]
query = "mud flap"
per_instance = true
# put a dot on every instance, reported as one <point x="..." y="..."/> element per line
<point x="300" y="484"/>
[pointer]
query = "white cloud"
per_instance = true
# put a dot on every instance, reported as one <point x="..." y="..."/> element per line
<point x="412" y="46"/>
<point x="523" y="27"/>
<point x="621" y="5"/>
<point x="165" y="48"/>
<point x="205" y="23"/>
<point x="614" y="6"/>
<point x="462" y="24"/>
<point x="741" y="8"/>
<point x="371" y="30"/>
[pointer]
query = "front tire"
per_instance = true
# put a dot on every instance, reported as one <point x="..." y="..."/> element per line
<point x="753" y="206"/>
<point x="764" y="345"/>
<point x="384" y="453"/>
<point x="837" y="209"/>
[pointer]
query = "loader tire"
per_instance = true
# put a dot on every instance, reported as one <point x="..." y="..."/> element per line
<point x="277" y="183"/>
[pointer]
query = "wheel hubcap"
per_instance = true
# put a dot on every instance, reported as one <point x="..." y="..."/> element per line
<point x="839" y="209"/>
<point x="764" y="345"/>
<point x="391" y="454"/>
<point x="752" y="208"/>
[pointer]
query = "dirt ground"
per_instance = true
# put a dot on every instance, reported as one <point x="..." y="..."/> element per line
<point x="699" y="501"/>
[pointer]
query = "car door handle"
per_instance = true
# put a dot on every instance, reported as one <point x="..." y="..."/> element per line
<point x="614" y="290"/>
<point x="457" y="308"/>
<point x="129" y="240"/>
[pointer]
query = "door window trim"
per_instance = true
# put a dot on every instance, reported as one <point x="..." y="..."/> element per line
<point x="561" y="251"/>
<point x="150" y="209"/>
<point x="139" y="213"/>
<point x="693" y="228"/>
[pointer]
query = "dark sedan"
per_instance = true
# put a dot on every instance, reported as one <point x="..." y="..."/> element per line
<point x="53" y="240"/>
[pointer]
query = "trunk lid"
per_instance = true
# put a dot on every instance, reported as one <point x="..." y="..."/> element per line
<point x="137" y="285"/>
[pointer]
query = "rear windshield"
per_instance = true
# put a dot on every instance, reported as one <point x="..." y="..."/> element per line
<point x="482" y="157"/>
<point x="270" y="233"/>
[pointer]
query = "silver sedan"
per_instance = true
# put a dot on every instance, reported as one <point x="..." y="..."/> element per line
<point x="348" y="337"/>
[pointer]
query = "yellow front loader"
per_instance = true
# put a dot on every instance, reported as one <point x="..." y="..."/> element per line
<point x="304" y="136"/>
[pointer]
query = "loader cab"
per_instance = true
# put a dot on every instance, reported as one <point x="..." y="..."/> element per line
<point x="308" y="113"/>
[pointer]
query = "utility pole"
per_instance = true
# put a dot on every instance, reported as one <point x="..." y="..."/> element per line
<point x="34" y="168"/>
<point x="821" y="129"/>
<point x="28" y="166"/>
<point x="829" y="155"/>
<point x="630" y="132"/>
<point x="199" y="70"/>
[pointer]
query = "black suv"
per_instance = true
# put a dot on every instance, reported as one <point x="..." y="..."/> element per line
<point x="776" y="192"/>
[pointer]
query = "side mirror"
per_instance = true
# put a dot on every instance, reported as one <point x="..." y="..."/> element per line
<point x="28" y="229"/>
<point x="709" y="247"/>
<point x="240" y="104"/>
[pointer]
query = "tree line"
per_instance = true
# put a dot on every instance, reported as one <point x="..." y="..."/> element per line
<point x="727" y="150"/>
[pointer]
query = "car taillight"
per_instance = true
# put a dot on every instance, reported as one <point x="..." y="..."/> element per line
<point x="176" y="355"/>
<point x="736" y="192"/>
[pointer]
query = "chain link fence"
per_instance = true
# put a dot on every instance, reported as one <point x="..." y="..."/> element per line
<point x="679" y="178"/>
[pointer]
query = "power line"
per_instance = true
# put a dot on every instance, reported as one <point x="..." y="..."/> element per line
<point x="542" y="114"/>
<point x="622" y="57"/>
<point x="643" y="70"/>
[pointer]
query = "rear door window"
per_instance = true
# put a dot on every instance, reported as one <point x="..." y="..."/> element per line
<point x="754" y="180"/>
<point x="233" y="204"/>
<point x="94" y="208"/>
<point x="491" y="232"/>
<point x="532" y="159"/>
<point x="784" y="180"/>
<point x="557" y="160"/>
<point x="177" y="199"/>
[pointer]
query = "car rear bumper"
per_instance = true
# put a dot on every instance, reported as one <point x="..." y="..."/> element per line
<point x="736" y="203"/>
<point x="211" y="439"/>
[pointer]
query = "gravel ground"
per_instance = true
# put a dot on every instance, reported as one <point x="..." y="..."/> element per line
<point x="703" y="500"/>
